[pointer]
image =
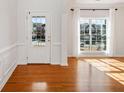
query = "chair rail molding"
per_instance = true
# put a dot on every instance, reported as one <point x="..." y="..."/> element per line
<point x="20" y="44"/>
<point x="56" y="43"/>
<point x="8" y="48"/>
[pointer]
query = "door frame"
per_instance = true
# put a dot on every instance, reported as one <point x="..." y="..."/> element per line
<point x="27" y="20"/>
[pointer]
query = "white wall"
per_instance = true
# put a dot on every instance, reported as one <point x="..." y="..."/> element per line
<point x="7" y="22"/>
<point x="119" y="28"/>
<point x="70" y="34"/>
<point x="56" y="9"/>
<point x="8" y="30"/>
<point x="119" y="32"/>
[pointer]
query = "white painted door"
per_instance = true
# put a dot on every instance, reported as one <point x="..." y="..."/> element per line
<point x="39" y="38"/>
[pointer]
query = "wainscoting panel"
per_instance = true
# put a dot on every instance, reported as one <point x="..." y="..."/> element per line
<point x="56" y="53"/>
<point x="0" y="70"/>
<point x="8" y="62"/>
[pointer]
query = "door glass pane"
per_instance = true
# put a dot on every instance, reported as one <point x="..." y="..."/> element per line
<point x="38" y="30"/>
<point x="84" y="35"/>
<point x="98" y="29"/>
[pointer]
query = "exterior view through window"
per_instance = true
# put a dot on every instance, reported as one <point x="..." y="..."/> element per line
<point x="38" y="30"/>
<point x="93" y="35"/>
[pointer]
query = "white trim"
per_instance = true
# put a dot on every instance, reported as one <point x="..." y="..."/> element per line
<point x="26" y="34"/>
<point x="9" y="69"/>
<point x="51" y="46"/>
<point x="62" y="64"/>
<point x="8" y="48"/>
<point x="20" y="44"/>
<point x="54" y="63"/>
<point x="64" y="27"/>
<point x="65" y="64"/>
<point x="93" y="56"/>
<point x="57" y="43"/>
<point x="71" y="56"/>
<point x="118" y="56"/>
<point x="7" y="76"/>
<point x="97" y="56"/>
<point x="1" y="66"/>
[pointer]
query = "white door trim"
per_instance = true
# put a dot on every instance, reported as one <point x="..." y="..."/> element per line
<point x="27" y="31"/>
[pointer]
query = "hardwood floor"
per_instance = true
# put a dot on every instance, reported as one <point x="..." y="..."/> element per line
<point x="83" y="74"/>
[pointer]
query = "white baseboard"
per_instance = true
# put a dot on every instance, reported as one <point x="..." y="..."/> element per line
<point x="118" y="56"/>
<point x="64" y="65"/>
<point x="97" y="56"/>
<point x="22" y="62"/>
<point x="71" y="56"/>
<point x="7" y="76"/>
<point x="54" y="64"/>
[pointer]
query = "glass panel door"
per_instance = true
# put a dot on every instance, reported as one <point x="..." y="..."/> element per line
<point x="39" y="41"/>
<point x="93" y="35"/>
<point x="85" y="35"/>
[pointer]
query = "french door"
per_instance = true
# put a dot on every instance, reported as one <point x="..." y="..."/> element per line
<point x="39" y="38"/>
<point x="93" y="35"/>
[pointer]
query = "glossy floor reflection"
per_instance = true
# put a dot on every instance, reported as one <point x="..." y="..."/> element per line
<point x="83" y="74"/>
<point x="112" y="67"/>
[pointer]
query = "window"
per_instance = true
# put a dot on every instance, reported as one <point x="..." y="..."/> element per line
<point x="38" y="30"/>
<point x="93" y="34"/>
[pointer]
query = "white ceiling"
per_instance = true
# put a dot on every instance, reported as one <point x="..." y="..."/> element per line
<point x="99" y="1"/>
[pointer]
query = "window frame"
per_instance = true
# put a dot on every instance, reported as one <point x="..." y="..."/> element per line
<point x="107" y="34"/>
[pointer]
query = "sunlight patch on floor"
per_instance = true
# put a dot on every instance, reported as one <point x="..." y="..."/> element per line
<point x="107" y="69"/>
<point x="101" y="65"/>
<point x="113" y="62"/>
<point x="117" y="76"/>
<point x="112" y="68"/>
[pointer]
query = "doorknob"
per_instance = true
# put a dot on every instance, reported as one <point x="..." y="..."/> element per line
<point x="49" y="37"/>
